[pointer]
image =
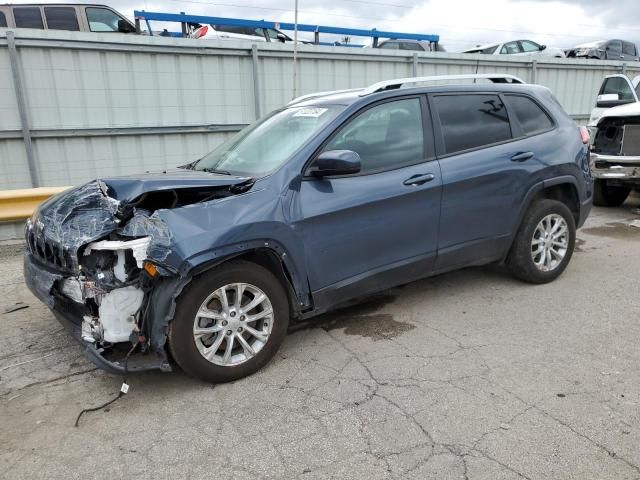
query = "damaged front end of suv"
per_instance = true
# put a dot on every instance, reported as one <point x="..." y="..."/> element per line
<point x="103" y="258"/>
<point x="615" y="159"/>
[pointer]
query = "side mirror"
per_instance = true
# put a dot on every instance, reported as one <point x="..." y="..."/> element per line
<point x="281" y="37"/>
<point x="124" y="26"/>
<point x="335" y="162"/>
<point x="543" y="47"/>
<point x="609" y="100"/>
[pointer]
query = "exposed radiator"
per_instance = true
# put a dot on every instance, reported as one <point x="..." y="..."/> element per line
<point x="631" y="140"/>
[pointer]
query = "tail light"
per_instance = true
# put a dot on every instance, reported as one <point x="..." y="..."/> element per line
<point x="201" y="32"/>
<point x="584" y="135"/>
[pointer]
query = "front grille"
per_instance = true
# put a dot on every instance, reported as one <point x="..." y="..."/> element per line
<point x="631" y="140"/>
<point x="604" y="164"/>
<point x="49" y="252"/>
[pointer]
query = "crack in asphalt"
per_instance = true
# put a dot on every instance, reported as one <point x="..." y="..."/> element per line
<point x="46" y="382"/>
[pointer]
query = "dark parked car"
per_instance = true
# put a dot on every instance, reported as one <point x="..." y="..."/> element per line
<point x="335" y="197"/>
<point x="606" y="50"/>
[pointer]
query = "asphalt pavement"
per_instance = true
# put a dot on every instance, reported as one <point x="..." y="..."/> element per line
<point x="470" y="375"/>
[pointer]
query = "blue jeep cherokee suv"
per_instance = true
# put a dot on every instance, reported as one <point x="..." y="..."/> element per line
<point x="334" y="197"/>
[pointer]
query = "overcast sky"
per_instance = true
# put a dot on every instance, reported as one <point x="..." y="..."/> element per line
<point x="460" y="23"/>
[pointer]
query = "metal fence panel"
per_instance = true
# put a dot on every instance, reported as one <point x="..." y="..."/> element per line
<point x="71" y="161"/>
<point x="14" y="171"/>
<point x="9" y="118"/>
<point x="101" y="89"/>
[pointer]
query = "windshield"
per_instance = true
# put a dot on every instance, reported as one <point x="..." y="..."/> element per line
<point x="264" y="146"/>
<point x="486" y="49"/>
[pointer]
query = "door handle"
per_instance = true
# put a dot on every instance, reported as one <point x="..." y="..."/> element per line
<point x="522" y="157"/>
<point x="419" y="179"/>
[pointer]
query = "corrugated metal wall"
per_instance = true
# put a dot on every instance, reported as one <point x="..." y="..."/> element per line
<point x="108" y="104"/>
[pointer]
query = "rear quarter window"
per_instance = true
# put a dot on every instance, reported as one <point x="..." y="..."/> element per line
<point x="3" y="20"/>
<point x="532" y="118"/>
<point x="472" y="121"/>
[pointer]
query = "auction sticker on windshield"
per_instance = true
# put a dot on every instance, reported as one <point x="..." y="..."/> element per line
<point x="310" y="112"/>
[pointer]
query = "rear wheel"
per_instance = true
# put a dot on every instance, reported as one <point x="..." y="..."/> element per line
<point x="229" y="323"/>
<point x="609" y="196"/>
<point x="544" y="243"/>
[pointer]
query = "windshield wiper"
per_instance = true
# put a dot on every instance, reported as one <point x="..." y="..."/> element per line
<point x="189" y="166"/>
<point x="213" y="170"/>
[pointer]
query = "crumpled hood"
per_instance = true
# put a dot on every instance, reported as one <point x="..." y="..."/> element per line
<point x="76" y="217"/>
<point x="628" y="110"/>
<point x="127" y="188"/>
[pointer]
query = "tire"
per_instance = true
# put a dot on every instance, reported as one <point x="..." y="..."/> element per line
<point x="520" y="260"/>
<point x="189" y="348"/>
<point x="609" y="196"/>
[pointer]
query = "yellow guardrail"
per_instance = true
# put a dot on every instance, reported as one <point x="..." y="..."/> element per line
<point x="20" y="204"/>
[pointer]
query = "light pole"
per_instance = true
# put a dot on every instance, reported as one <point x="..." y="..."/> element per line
<point x="295" y="50"/>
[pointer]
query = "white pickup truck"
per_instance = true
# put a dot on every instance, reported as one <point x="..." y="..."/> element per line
<point x="615" y="133"/>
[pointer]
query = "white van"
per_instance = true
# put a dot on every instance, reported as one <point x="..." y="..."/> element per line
<point x="64" y="16"/>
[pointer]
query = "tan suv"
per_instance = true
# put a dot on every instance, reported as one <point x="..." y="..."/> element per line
<point x="77" y="18"/>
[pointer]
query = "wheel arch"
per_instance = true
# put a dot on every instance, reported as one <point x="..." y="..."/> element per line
<point x="266" y="253"/>
<point x="563" y="189"/>
<point x="271" y="256"/>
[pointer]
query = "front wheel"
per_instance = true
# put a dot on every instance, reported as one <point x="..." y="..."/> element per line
<point x="544" y="243"/>
<point x="609" y="196"/>
<point x="229" y="322"/>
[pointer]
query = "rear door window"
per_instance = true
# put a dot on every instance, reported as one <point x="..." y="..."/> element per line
<point x="28" y="17"/>
<point x="615" y="47"/>
<point x="3" y="20"/>
<point x="619" y="86"/>
<point x="629" y="48"/>
<point x="472" y="121"/>
<point x="533" y="119"/>
<point x="61" y="18"/>
<point x="387" y="136"/>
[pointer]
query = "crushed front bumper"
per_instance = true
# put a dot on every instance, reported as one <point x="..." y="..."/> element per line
<point x="41" y="280"/>
<point x="612" y="167"/>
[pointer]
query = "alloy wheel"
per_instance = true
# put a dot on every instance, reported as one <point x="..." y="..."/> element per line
<point x="233" y="324"/>
<point x="550" y="242"/>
